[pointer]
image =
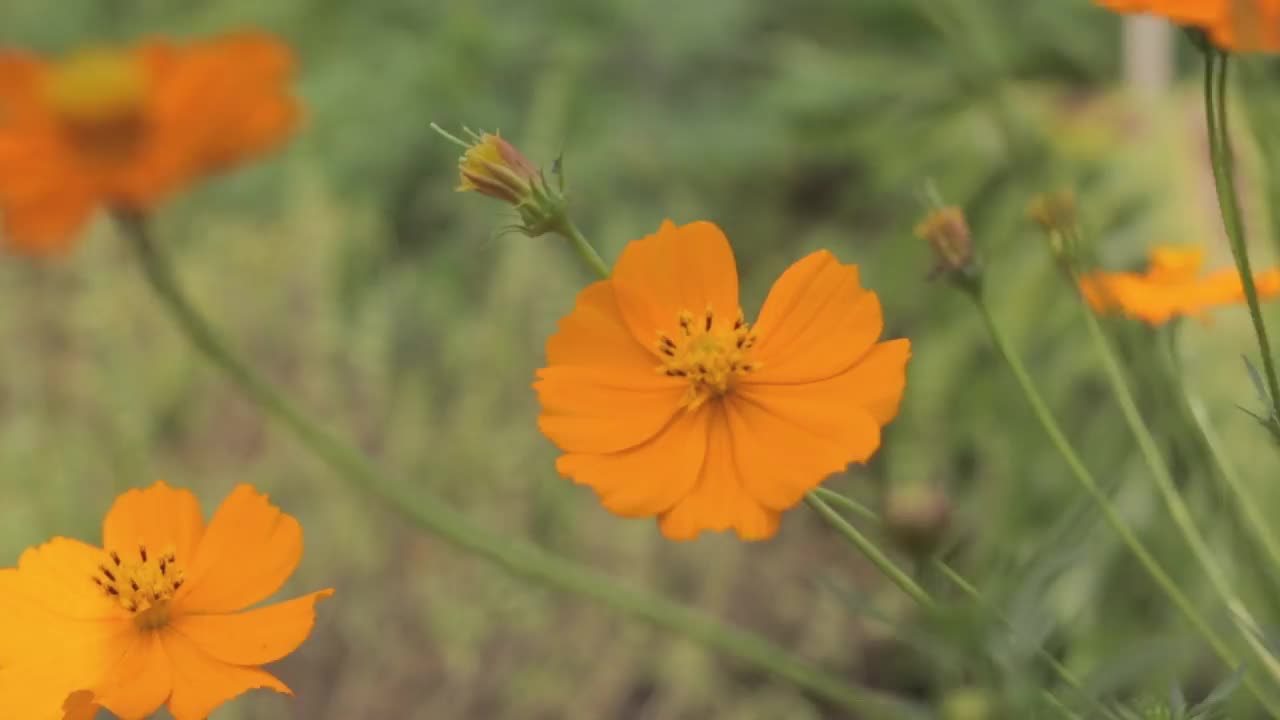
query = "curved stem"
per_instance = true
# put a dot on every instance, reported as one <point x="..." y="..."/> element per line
<point x="873" y="553"/>
<point x="1063" y="672"/>
<point x="1090" y="485"/>
<point x="1215" y="105"/>
<point x="521" y="559"/>
<point x="584" y="248"/>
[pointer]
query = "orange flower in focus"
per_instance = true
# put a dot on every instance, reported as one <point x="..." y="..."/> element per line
<point x="1240" y="25"/>
<point x="1171" y="287"/>
<point x="157" y="615"/>
<point x="668" y="403"/>
<point x="126" y="128"/>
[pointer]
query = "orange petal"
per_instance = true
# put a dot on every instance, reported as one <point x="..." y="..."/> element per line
<point x="201" y="683"/>
<point x="816" y="322"/>
<point x="46" y="656"/>
<point x="58" y="576"/>
<point x="139" y="679"/>
<point x="253" y="637"/>
<point x="214" y="104"/>
<point x="249" y="549"/>
<point x="596" y="335"/>
<point x="648" y="479"/>
<point x="604" y="410"/>
<point x="719" y="502"/>
<point x="44" y="197"/>
<point x="686" y="268"/>
<point x="787" y="439"/>
<point x="157" y="518"/>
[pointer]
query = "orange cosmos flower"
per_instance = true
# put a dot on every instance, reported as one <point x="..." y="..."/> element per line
<point x="668" y="403"/>
<point x="126" y="128"/>
<point x="157" y="615"/>
<point x="1240" y="25"/>
<point x="1171" y="287"/>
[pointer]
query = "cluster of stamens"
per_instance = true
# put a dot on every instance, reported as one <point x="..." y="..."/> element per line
<point x="98" y="97"/>
<point x="711" y="357"/>
<point x="144" y="586"/>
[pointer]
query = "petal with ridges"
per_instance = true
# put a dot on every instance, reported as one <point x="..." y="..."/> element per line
<point x="650" y="478"/>
<point x="253" y="637"/>
<point x="604" y="410"/>
<point x="156" y="517"/>
<point x="688" y="267"/>
<point x="247" y="552"/>
<point x="201" y="683"/>
<point x="816" y="322"/>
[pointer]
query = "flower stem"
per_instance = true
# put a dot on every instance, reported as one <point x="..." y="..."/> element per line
<point x="1178" y="509"/>
<point x="1090" y="485"/>
<point x="1215" y="106"/>
<point x="567" y="229"/>
<point x="872" y="553"/>
<point x="519" y="558"/>
<point x="1063" y="672"/>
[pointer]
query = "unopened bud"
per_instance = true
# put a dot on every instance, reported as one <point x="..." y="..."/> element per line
<point x="1054" y="211"/>
<point x="494" y="167"/>
<point x="968" y="704"/>
<point x="917" y="517"/>
<point x="947" y="232"/>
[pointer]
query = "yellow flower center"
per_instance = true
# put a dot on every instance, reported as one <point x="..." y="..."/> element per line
<point x="143" y="586"/>
<point x="711" y="356"/>
<point x="99" y="97"/>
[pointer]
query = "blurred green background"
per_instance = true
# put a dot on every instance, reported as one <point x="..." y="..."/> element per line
<point x="398" y="312"/>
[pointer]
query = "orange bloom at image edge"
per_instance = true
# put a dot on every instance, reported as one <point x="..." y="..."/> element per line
<point x="126" y="128"/>
<point x="1238" y="25"/>
<point x="1171" y="287"/>
<point x="669" y="404"/>
<point x="155" y="617"/>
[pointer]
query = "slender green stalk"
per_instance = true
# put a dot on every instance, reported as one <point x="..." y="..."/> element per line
<point x="873" y="553"/>
<point x="1090" y="485"/>
<point x="1178" y="509"/>
<point x="521" y="559"/>
<point x="583" y="248"/>
<point x="1250" y="506"/>
<point x="1064" y="673"/>
<point x="1215" y="105"/>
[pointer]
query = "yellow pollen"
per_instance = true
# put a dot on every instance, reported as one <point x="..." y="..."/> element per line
<point x="143" y="582"/>
<point x="99" y="96"/>
<point x="711" y="355"/>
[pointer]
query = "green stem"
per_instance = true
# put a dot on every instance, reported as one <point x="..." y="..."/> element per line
<point x="1215" y="105"/>
<point x="570" y="232"/>
<point x="1178" y="508"/>
<point x="1090" y="485"/>
<point x="873" y="553"/>
<point x="519" y="558"/>
<point x="1064" y="673"/>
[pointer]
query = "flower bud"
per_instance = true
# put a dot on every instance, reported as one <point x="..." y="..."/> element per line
<point x="1055" y="213"/>
<point x="917" y="517"/>
<point x="947" y="232"/>
<point x="494" y="167"/>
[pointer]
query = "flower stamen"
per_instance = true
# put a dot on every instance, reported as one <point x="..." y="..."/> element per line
<point x="143" y="587"/>
<point x="711" y="359"/>
<point x="99" y="98"/>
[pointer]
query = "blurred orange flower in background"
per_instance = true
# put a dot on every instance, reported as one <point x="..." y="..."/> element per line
<point x="157" y="615"/>
<point x="125" y="128"/>
<point x="668" y="403"/>
<point x="1240" y="25"/>
<point x="1172" y="287"/>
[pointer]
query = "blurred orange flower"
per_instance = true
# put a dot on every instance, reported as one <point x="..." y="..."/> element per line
<point x="1240" y="25"/>
<point x="668" y="403"/>
<point x="157" y="615"/>
<point x="1171" y="287"/>
<point x="126" y="128"/>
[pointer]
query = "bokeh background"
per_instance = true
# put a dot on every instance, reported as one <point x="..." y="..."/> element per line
<point x="399" y="313"/>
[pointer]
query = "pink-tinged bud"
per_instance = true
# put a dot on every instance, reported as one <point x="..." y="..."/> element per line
<point x="947" y="232"/>
<point x="494" y="167"/>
